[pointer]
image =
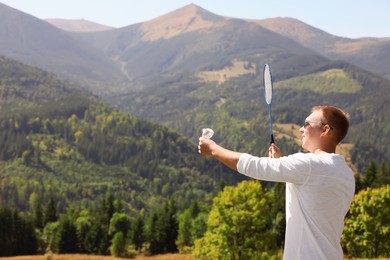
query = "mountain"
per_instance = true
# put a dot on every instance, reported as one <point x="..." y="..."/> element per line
<point x="372" y="54"/>
<point x="78" y="25"/>
<point x="36" y="42"/>
<point x="188" y="41"/>
<point x="77" y="148"/>
<point x="190" y="69"/>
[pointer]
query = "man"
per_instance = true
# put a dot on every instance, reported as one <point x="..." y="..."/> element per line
<point x="319" y="185"/>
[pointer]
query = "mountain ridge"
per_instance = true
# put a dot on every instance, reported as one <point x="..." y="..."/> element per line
<point x="37" y="43"/>
<point x="372" y="54"/>
<point x="77" y="25"/>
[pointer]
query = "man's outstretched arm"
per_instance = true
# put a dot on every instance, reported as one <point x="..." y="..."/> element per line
<point x="209" y="148"/>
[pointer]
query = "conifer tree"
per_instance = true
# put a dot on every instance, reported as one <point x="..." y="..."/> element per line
<point x="108" y="208"/>
<point x="50" y="212"/>
<point x="118" y="247"/>
<point x="164" y="230"/>
<point x="172" y="227"/>
<point x="17" y="234"/>
<point x="137" y="236"/>
<point x="184" y="234"/>
<point x="369" y="175"/>
<point x="26" y="238"/>
<point x="154" y="247"/>
<point x="383" y="175"/>
<point x="68" y="237"/>
<point x="38" y="215"/>
<point x="6" y="231"/>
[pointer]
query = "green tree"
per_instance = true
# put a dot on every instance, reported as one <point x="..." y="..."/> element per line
<point x="383" y="175"/>
<point x="184" y="235"/>
<point x="373" y="176"/>
<point x="369" y="175"/>
<point x="195" y="208"/>
<point x="367" y="230"/>
<point x="118" y="205"/>
<point x="17" y="234"/>
<point x="37" y="210"/>
<point x="50" y="212"/>
<point x="118" y="247"/>
<point x="137" y="235"/>
<point x="37" y="215"/>
<point x="192" y="225"/>
<point x="95" y="241"/>
<point x="278" y="198"/>
<point x="151" y="231"/>
<point x="108" y="208"/>
<point x="239" y="225"/>
<point x="100" y="236"/>
<point x="162" y="229"/>
<point x="120" y="222"/>
<point x="68" y="242"/>
<point x="170" y="226"/>
<point x="199" y="226"/>
<point x="84" y="226"/>
<point x="26" y="238"/>
<point x="51" y="237"/>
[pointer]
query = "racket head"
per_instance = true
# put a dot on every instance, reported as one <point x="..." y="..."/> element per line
<point x="268" y="87"/>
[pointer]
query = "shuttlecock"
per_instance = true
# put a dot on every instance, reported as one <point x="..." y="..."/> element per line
<point x="207" y="133"/>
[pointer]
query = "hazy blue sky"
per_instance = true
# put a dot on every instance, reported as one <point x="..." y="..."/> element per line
<point x="353" y="18"/>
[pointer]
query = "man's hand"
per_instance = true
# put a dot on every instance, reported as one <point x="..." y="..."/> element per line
<point x="208" y="148"/>
<point x="205" y="146"/>
<point x="274" y="151"/>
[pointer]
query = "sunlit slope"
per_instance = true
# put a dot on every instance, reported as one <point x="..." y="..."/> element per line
<point x="324" y="82"/>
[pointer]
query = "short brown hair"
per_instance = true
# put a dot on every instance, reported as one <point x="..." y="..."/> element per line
<point x="337" y="119"/>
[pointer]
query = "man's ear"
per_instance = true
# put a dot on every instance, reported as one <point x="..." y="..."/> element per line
<point x="325" y="129"/>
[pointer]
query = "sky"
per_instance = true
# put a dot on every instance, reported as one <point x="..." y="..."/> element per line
<point x="352" y="19"/>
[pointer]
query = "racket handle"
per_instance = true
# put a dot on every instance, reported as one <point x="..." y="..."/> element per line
<point x="272" y="139"/>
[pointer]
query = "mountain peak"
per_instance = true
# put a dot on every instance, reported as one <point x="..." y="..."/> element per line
<point x="185" y="19"/>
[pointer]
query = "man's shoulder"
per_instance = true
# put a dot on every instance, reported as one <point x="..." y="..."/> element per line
<point x="299" y="155"/>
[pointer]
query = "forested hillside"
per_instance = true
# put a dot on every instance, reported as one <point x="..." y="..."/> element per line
<point x="77" y="175"/>
<point x="59" y="142"/>
<point x="25" y="88"/>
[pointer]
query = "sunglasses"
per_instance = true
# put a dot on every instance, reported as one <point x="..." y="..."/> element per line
<point x="306" y="124"/>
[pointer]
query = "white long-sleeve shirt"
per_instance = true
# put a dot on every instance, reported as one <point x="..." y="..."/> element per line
<point x="319" y="191"/>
